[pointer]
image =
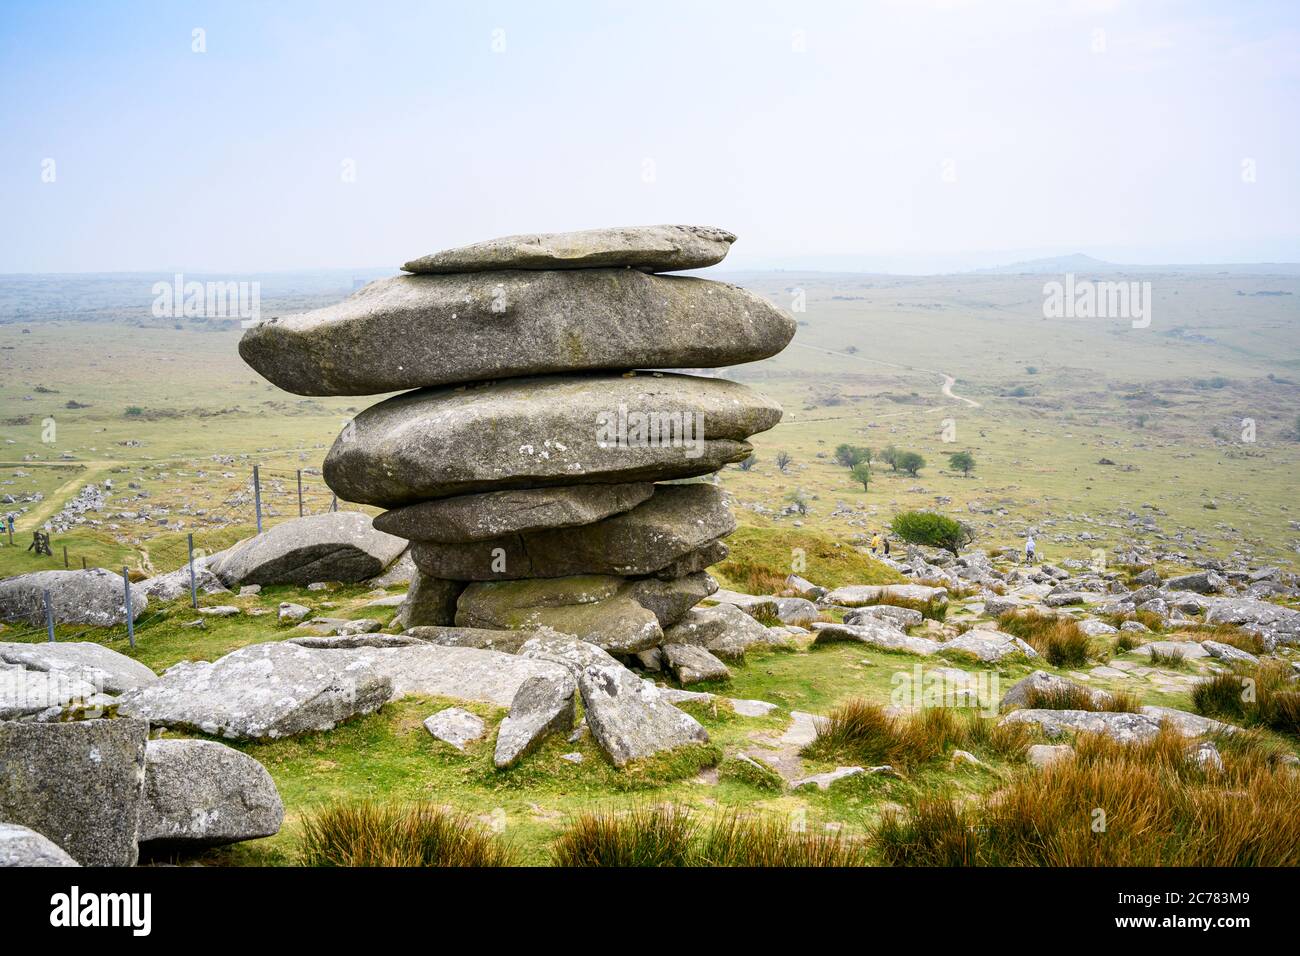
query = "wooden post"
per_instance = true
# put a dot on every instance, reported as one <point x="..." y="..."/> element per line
<point x="130" y="618"/>
<point x="49" y="614"/>
<point x="194" y="594"/>
<point x="65" y="556"/>
<point x="257" y="496"/>
<point x="83" y="564"/>
<point x="334" y="503"/>
<point x="299" y="492"/>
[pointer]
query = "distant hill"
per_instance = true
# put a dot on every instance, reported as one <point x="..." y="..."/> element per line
<point x="1079" y="263"/>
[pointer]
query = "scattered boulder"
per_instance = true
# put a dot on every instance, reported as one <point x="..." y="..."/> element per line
<point x="858" y="595"/>
<point x="1228" y="653"/>
<point x="724" y="630"/>
<point x="630" y="719"/>
<point x="1123" y="727"/>
<point x="456" y="726"/>
<point x="1041" y="682"/>
<point x="293" y="613"/>
<point x="693" y="665"/>
<point x="988" y="646"/>
<point x="335" y="546"/>
<point x="22" y="846"/>
<point x="1044" y="755"/>
<point x="95" y="597"/>
<point x="203" y="793"/>
<point x="1202" y="582"/>
<point x="542" y="706"/>
<point x="105" y="669"/>
<point x="900" y="617"/>
<point x="78" y="784"/>
<point x="877" y="634"/>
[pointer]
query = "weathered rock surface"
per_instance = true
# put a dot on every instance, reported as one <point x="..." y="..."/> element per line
<point x="96" y="597"/>
<point x="490" y="639"/>
<point x="856" y="595"/>
<point x="203" y="793"/>
<point x="692" y="664"/>
<point x="455" y="726"/>
<point x="724" y="630"/>
<point x="261" y="692"/>
<point x="335" y="546"/>
<point x="552" y="431"/>
<point x="676" y="521"/>
<point x="988" y="646"/>
<point x="1226" y="652"/>
<point x="22" y="846"/>
<point x="877" y="634"/>
<point x="630" y="719"/>
<point x="176" y="584"/>
<point x="28" y="695"/>
<point x="1123" y="727"/>
<point x="401" y="571"/>
<point x="410" y="332"/>
<point x="572" y="654"/>
<point x="900" y="617"/>
<point x="596" y="608"/>
<point x="430" y="602"/>
<point x="542" y="706"/>
<point x="667" y="248"/>
<point x="107" y="670"/>
<point x="492" y="514"/>
<point x="1044" y="755"/>
<point x="801" y="611"/>
<point x="79" y="784"/>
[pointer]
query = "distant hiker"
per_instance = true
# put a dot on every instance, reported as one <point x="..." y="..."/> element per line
<point x="885" y="541"/>
<point x="875" y="543"/>
<point x="1029" y="549"/>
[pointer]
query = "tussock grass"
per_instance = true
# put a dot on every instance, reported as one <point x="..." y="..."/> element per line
<point x="1056" y="637"/>
<point x="1149" y="619"/>
<point x="1173" y="659"/>
<point x="1157" y="807"/>
<point x="1078" y="698"/>
<point x="392" y="834"/>
<point x="1230" y="634"/>
<point x="671" y="835"/>
<point x="1126" y="641"/>
<point x="1264" y="695"/>
<point x="861" y="732"/>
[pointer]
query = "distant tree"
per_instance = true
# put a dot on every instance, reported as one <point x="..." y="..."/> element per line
<point x="748" y="462"/>
<point x="861" y="472"/>
<point x="909" y="462"/>
<point x="849" y="455"/>
<point x="962" y="461"/>
<point x="134" y="411"/>
<point x="783" y="460"/>
<point x="799" y="501"/>
<point x="933" y="530"/>
<point x="1031" y="369"/>
<point x="890" y="457"/>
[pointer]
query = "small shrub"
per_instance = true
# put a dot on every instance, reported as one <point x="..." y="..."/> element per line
<point x="421" y="834"/>
<point x="1126" y="641"/>
<point x="1058" y="639"/>
<point x="933" y="530"/>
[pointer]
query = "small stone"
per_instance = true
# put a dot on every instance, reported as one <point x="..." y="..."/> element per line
<point x="455" y="726"/>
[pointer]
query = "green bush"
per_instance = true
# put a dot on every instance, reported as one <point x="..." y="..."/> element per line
<point x="850" y="455"/>
<point x="932" y="529"/>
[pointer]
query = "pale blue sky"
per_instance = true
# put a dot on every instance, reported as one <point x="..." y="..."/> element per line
<point x="819" y="132"/>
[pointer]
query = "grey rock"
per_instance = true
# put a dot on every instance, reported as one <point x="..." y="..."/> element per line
<point x="878" y="634"/>
<point x="95" y="597"/>
<point x="670" y="601"/>
<point x="410" y="332"/>
<point x="462" y="673"/>
<point x="261" y="692"/>
<point x="107" y="670"/>
<point x="595" y="608"/>
<point x="78" y="784"/>
<point x="335" y="546"/>
<point x="203" y="793"/>
<point x="455" y="726"/>
<point x="693" y="664"/>
<point x="542" y="706"/>
<point x="176" y="584"/>
<point x="491" y="639"/>
<point x="1123" y="727"/>
<point x="492" y="514"/>
<point x="667" y="248"/>
<point x="630" y="719"/>
<point x="900" y="617"/>
<point x="430" y="602"/>
<point x="755" y="605"/>
<point x="340" y="626"/>
<point x="570" y="653"/>
<point x="989" y="646"/>
<point x="293" y="613"/>
<point x="36" y="695"/>
<point x="856" y="595"/>
<point x="1045" y="683"/>
<point x="1044" y="755"/>
<point x="751" y="708"/>
<point x="22" y="846"/>
<point x="1095" y="628"/>
<point x="401" y="571"/>
<point x="675" y="521"/>
<point x="551" y="431"/>
<point x="724" y="630"/>
<point x="354" y="639"/>
<point x="793" y="610"/>
<point x="1226" y="652"/>
<point x="1187" y="650"/>
<point x="1202" y="582"/>
<point x="996" y="606"/>
<point x="1187" y="723"/>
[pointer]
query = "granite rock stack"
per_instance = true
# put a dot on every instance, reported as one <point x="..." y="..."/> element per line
<point x="527" y="462"/>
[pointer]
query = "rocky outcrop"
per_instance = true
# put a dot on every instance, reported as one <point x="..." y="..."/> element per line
<point x="335" y="546"/>
<point x="96" y="597"/>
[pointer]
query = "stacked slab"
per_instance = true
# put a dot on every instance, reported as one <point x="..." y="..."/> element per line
<point x="526" y="465"/>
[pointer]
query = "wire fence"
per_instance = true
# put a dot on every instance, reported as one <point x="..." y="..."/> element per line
<point x="181" y="549"/>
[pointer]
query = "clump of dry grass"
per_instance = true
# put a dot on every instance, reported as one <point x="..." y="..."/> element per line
<point x="1147" y="804"/>
<point x="1056" y="637"/>
<point x="1074" y="697"/>
<point x="671" y="835"/>
<point x="390" y="834"/>
<point x="935" y="608"/>
<point x="1262" y="695"/>
<point x="1173" y="659"/>
<point x="861" y="732"/>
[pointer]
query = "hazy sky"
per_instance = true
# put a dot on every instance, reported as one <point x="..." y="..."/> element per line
<point x="909" y="135"/>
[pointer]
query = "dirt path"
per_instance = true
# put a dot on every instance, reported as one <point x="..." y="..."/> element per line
<point x="948" y="383"/>
<point x="57" y="498"/>
<point x="945" y="387"/>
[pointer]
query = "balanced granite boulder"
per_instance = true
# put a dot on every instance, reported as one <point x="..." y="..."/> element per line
<point x="79" y="784"/>
<point x="335" y="546"/>
<point x="419" y="331"/>
<point x="538" y="432"/>
<point x="648" y="248"/>
<point x="492" y="514"/>
<point x="203" y="793"/>
<point x="96" y="597"/>
<point x="676" y="521"/>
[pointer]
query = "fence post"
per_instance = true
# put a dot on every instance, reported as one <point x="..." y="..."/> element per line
<point x="83" y="564"/>
<point x="49" y="615"/>
<point x="299" y="492"/>
<point x="65" y="556"/>
<point x="194" y="594"/>
<point x="130" y="618"/>
<point x="257" y="496"/>
<point x="334" y="503"/>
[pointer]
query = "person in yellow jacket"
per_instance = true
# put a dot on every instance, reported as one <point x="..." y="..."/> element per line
<point x="875" y="543"/>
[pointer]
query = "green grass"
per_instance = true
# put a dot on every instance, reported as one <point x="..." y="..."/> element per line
<point x="763" y="557"/>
